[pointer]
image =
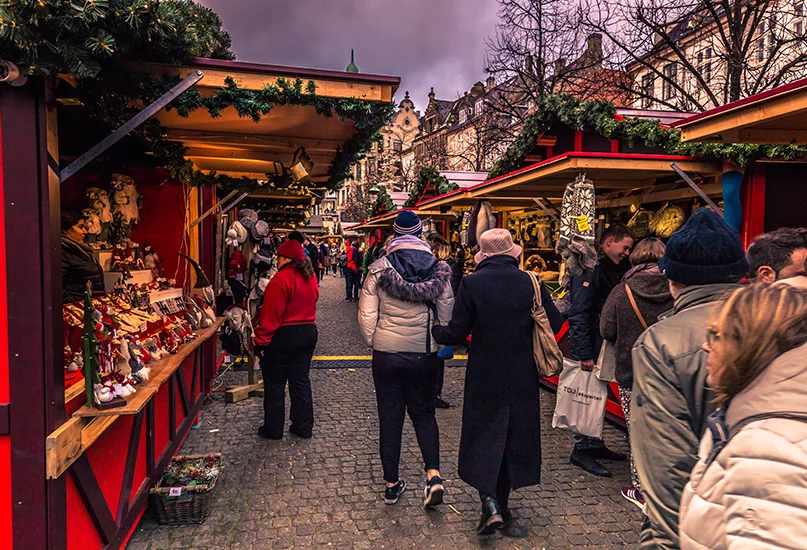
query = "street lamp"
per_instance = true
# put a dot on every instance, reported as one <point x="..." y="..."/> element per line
<point x="374" y="191"/>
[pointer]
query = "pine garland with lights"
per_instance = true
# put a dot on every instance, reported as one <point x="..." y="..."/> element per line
<point x="112" y="99"/>
<point x="599" y="116"/>
<point x="429" y="175"/>
<point x="383" y="204"/>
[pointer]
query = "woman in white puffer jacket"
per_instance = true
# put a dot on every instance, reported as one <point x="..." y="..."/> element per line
<point x="405" y="293"/>
<point x="749" y="488"/>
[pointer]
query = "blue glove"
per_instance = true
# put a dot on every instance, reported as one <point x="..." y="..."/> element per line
<point x="446" y="353"/>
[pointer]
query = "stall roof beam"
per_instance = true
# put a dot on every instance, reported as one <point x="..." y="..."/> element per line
<point x="607" y="170"/>
<point x="772" y="117"/>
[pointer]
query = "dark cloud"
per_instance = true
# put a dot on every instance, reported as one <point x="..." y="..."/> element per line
<point x="427" y="43"/>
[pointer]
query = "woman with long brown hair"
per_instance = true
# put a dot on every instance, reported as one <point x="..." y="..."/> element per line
<point x="748" y="488"/>
<point x="285" y="338"/>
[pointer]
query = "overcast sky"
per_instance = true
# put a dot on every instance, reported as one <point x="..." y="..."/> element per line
<point x="427" y="43"/>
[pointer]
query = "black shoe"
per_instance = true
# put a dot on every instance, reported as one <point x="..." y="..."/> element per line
<point x="491" y="517"/>
<point x="433" y="492"/>
<point x="584" y="460"/>
<point x="441" y="403"/>
<point x="511" y="529"/>
<point x="304" y="434"/>
<point x="604" y="453"/>
<point x="264" y="433"/>
<point x="392" y="494"/>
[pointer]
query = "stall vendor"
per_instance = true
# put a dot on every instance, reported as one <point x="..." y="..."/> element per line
<point x="78" y="262"/>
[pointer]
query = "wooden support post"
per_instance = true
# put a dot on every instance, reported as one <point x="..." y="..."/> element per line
<point x="252" y="389"/>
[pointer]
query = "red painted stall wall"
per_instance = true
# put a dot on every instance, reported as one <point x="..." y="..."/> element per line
<point x="5" y="441"/>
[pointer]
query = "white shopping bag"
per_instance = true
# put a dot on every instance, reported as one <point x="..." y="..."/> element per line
<point x="605" y="367"/>
<point x="581" y="399"/>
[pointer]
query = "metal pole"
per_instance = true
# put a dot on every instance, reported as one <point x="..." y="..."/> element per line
<point x="130" y="125"/>
<point x="545" y="209"/>
<point x="697" y="189"/>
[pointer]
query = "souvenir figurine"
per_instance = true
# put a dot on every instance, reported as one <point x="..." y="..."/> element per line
<point x="93" y="225"/>
<point x="135" y="199"/>
<point x="98" y="201"/>
<point x="152" y="261"/>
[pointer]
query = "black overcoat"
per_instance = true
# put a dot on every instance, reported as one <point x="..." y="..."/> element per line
<point x="501" y="413"/>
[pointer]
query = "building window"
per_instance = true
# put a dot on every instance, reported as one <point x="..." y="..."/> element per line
<point x="358" y="171"/>
<point x="478" y="108"/>
<point x="397" y="146"/>
<point x="705" y="64"/>
<point x="648" y="90"/>
<point x="670" y="79"/>
<point x="406" y="122"/>
<point x="463" y="116"/>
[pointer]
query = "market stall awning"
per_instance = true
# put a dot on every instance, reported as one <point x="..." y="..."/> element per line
<point x="237" y="146"/>
<point x="772" y="117"/>
<point x="386" y="220"/>
<point x="611" y="172"/>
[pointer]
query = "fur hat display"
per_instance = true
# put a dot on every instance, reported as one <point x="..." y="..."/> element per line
<point x="260" y="230"/>
<point x="247" y="217"/>
<point x="237" y="232"/>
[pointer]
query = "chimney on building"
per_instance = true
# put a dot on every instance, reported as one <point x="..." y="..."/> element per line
<point x="594" y="51"/>
<point x="490" y="83"/>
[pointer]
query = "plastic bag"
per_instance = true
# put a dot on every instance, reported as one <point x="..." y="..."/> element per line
<point x="580" y="405"/>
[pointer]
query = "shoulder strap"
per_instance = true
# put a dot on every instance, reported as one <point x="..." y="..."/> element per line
<point x="635" y="307"/>
<point x="536" y="287"/>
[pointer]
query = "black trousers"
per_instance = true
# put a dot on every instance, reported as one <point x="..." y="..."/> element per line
<point x="351" y="284"/>
<point x="287" y="358"/>
<point x="503" y="487"/>
<point x="405" y="382"/>
<point x="441" y="374"/>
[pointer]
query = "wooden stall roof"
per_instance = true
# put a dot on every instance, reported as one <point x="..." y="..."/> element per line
<point x="386" y="220"/>
<point x="548" y="179"/>
<point x="236" y="146"/>
<point x="771" y="117"/>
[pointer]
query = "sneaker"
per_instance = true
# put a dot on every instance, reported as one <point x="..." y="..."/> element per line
<point x="584" y="460"/>
<point x="633" y="496"/>
<point x="441" y="403"/>
<point x="392" y="494"/>
<point x="433" y="492"/>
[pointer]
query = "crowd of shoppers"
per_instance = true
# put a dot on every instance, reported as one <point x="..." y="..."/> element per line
<point x="709" y="370"/>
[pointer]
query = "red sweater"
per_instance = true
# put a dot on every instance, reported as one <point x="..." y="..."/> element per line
<point x="290" y="299"/>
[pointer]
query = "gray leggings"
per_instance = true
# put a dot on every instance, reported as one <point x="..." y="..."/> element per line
<point x="624" y="400"/>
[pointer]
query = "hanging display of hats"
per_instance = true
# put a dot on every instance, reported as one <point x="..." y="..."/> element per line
<point x="667" y="221"/>
<point x="236" y="233"/>
<point x="247" y="217"/>
<point x="260" y="230"/>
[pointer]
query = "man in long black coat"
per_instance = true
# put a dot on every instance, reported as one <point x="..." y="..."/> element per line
<point x="500" y="448"/>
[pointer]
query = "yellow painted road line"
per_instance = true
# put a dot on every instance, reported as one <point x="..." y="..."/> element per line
<point x="360" y="357"/>
<point x="342" y="357"/>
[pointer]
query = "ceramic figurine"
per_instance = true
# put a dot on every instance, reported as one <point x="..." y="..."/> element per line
<point x="103" y="394"/>
<point x="135" y="199"/>
<point x="93" y="225"/>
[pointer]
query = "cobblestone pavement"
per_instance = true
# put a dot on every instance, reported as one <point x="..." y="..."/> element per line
<point x="326" y="492"/>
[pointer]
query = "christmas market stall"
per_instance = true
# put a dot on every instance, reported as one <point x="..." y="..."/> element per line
<point x="772" y="190"/>
<point x="113" y="248"/>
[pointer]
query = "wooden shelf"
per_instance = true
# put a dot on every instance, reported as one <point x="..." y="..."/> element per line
<point x="161" y="371"/>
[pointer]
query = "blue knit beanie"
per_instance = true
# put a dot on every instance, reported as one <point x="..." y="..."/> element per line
<point x="407" y="223"/>
<point x="704" y="251"/>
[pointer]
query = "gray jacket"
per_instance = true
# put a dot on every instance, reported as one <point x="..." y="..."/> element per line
<point x="669" y="407"/>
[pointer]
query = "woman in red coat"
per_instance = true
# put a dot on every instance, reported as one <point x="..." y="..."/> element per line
<point x="285" y="339"/>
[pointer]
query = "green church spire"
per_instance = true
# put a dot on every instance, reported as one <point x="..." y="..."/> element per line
<point x="352" y="68"/>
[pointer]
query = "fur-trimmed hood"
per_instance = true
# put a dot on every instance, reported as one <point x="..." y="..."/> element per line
<point x="424" y="291"/>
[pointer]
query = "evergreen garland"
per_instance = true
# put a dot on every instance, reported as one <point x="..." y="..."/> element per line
<point x="429" y="175"/>
<point x="46" y="37"/>
<point x="383" y="204"/>
<point x="599" y="116"/>
<point x="112" y="99"/>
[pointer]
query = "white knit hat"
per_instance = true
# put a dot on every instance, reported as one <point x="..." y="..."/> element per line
<point x="496" y="242"/>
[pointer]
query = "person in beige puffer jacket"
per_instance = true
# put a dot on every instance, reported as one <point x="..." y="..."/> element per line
<point x="749" y="487"/>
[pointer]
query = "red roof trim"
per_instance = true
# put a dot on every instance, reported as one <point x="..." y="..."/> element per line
<point x="781" y="90"/>
<point x="558" y="158"/>
<point x="302" y="72"/>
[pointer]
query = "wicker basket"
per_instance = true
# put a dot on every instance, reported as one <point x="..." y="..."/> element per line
<point x="182" y="509"/>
